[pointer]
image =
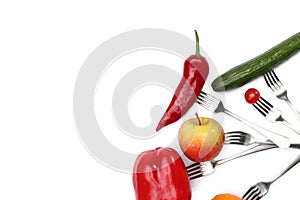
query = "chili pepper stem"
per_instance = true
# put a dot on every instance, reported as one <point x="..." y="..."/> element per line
<point x="197" y="45"/>
<point x="199" y="121"/>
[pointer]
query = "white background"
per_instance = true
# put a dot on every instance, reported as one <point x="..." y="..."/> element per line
<point x="42" y="48"/>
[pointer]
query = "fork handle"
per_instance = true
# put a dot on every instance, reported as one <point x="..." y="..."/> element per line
<point x="280" y="140"/>
<point x="290" y="166"/>
<point x="297" y="113"/>
<point x="290" y="126"/>
<point x="257" y="148"/>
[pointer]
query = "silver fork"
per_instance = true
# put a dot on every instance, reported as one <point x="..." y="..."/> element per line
<point x="261" y="189"/>
<point x="271" y="113"/>
<point x="279" y="89"/>
<point x="246" y="139"/>
<point x="241" y="138"/>
<point x="199" y="169"/>
<point x="215" y="105"/>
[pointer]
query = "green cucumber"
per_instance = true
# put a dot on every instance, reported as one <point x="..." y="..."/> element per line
<point x="257" y="66"/>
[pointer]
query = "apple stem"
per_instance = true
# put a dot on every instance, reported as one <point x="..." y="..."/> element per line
<point x="198" y="119"/>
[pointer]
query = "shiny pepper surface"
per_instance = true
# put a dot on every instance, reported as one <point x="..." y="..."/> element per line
<point x="195" y="72"/>
<point x="160" y="174"/>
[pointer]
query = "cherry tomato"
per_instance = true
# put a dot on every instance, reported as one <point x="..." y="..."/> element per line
<point x="252" y="95"/>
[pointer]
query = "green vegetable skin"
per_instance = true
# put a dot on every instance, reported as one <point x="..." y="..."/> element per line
<point x="257" y="66"/>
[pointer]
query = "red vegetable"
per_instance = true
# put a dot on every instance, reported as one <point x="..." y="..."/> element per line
<point x="160" y="174"/>
<point x="195" y="72"/>
<point x="252" y="95"/>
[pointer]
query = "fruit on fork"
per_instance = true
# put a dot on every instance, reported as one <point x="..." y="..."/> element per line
<point x="252" y="96"/>
<point x="201" y="139"/>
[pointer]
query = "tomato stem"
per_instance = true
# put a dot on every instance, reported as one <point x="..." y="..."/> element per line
<point x="197" y="45"/>
<point x="199" y="121"/>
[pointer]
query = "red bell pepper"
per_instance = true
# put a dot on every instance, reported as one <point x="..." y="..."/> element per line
<point x="160" y="174"/>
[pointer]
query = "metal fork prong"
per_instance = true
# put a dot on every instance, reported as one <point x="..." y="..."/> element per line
<point x="262" y="111"/>
<point x="268" y="81"/>
<point x="195" y="170"/>
<point x="276" y="78"/>
<point x="195" y="177"/>
<point x="234" y="137"/>
<point x="271" y="82"/>
<point x="206" y="97"/>
<point x="251" y="193"/>
<point x="198" y="171"/>
<point x="266" y="103"/>
<point x="204" y="93"/>
<point x="233" y="141"/>
<point x="262" y="106"/>
<point x="204" y="104"/>
<point x="235" y="133"/>
<point x="193" y="166"/>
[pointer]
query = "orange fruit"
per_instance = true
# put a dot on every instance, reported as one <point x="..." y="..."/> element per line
<point x="226" y="197"/>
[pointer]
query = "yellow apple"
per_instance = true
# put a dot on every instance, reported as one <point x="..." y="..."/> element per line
<point x="201" y="139"/>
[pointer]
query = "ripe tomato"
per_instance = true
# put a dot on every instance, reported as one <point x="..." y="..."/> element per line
<point x="252" y="95"/>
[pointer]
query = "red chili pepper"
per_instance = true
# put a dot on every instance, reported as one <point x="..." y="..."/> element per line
<point x="160" y="174"/>
<point x="195" y="72"/>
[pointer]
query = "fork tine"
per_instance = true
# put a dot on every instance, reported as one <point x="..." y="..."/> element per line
<point x="234" y="133"/>
<point x="263" y="106"/>
<point x="206" y="96"/>
<point x="235" y="136"/>
<point x="276" y="77"/>
<point x="202" y="92"/>
<point x="203" y="103"/>
<point x="233" y="142"/>
<point x="276" y="81"/>
<point x="251" y="194"/>
<point x="204" y="99"/>
<point x="235" y="139"/>
<point x="266" y="103"/>
<point x="196" y="164"/>
<point x="257" y="197"/>
<point x="197" y="176"/>
<point x="261" y="110"/>
<point x="268" y="81"/>
<point x="196" y="172"/>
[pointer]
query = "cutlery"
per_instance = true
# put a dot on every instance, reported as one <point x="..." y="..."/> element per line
<point x="246" y="139"/>
<point x="279" y="89"/>
<point x="200" y="169"/>
<point x="241" y="138"/>
<point x="261" y="189"/>
<point x="267" y="109"/>
<point x="215" y="105"/>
